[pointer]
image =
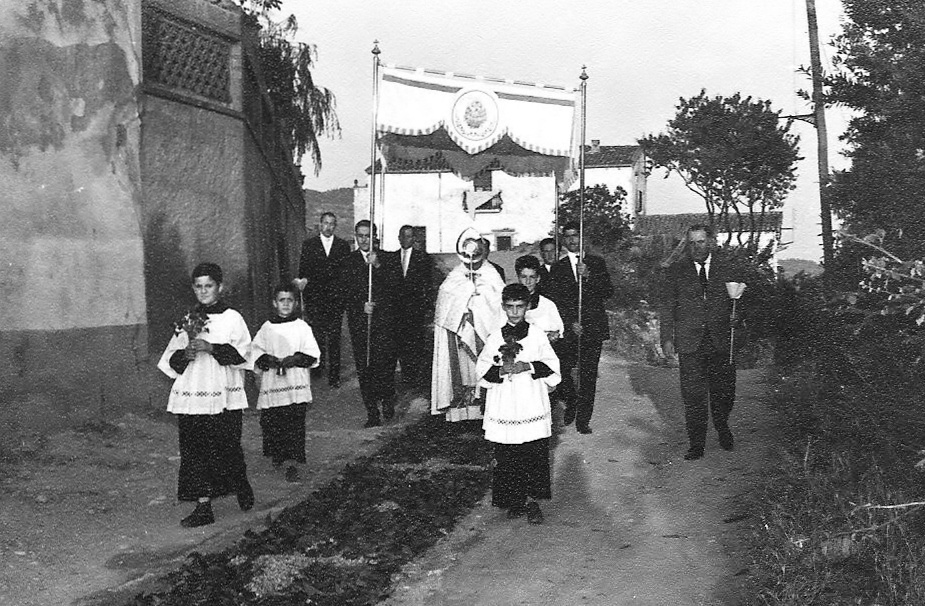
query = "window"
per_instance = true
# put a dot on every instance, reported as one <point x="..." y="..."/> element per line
<point x="503" y="242"/>
<point x="492" y="205"/>
<point x="482" y="181"/>
<point x="638" y="202"/>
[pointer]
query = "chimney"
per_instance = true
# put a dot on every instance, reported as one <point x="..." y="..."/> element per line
<point x="595" y="146"/>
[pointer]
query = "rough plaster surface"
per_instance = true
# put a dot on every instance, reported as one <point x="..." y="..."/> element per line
<point x="192" y="166"/>
<point x="72" y="307"/>
<point x="68" y="168"/>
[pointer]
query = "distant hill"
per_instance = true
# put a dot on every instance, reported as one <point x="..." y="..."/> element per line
<point x="791" y="267"/>
<point x="338" y="201"/>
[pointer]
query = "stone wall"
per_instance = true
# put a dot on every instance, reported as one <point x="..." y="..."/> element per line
<point x="218" y="179"/>
<point x="72" y="307"/>
<point x="135" y="142"/>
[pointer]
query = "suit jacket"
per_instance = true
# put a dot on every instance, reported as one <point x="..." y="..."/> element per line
<point x="416" y="292"/>
<point x="687" y="315"/>
<point x="596" y="289"/>
<point x="543" y="286"/>
<point x="353" y="292"/>
<point x="321" y="271"/>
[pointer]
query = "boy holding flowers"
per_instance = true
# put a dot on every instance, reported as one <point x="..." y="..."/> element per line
<point x="518" y="367"/>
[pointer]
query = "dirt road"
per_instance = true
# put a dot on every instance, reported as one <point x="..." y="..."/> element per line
<point x="630" y="521"/>
<point x="87" y="516"/>
<point x="86" y="512"/>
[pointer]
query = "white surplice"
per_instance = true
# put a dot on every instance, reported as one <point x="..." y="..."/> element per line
<point x="206" y="387"/>
<point x="517" y="409"/>
<point x="280" y="340"/>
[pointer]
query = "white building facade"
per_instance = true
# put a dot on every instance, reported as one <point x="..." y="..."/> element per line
<point x="508" y="210"/>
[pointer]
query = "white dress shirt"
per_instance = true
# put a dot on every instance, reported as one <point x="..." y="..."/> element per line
<point x="326" y="242"/>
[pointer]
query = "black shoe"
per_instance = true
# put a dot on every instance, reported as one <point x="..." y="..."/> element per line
<point x="583" y="428"/>
<point x="201" y="516"/>
<point x="372" y="422"/>
<point x="569" y="416"/>
<point x="725" y="439"/>
<point x="292" y="474"/>
<point x="534" y="515"/>
<point x="246" y="497"/>
<point x="516" y="511"/>
<point x="693" y="455"/>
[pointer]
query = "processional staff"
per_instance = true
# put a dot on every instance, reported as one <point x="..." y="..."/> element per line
<point x="581" y="208"/>
<point x="372" y="193"/>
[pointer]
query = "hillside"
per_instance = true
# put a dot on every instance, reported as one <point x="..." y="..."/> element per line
<point x="338" y="201"/>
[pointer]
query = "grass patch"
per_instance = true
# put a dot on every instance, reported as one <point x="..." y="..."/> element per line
<point x="345" y="542"/>
<point x="824" y="536"/>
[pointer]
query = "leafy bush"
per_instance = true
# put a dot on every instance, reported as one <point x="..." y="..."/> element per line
<point x="841" y="522"/>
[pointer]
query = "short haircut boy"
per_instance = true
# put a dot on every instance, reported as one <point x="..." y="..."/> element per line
<point x="527" y="262"/>
<point x="515" y="292"/>
<point x="286" y="287"/>
<point x="207" y="269"/>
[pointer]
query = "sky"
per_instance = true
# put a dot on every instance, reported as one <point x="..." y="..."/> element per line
<point x="641" y="58"/>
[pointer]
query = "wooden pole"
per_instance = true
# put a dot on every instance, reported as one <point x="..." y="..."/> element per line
<point x="581" y="208"/>
<point x="828" y="250"/>
<point x="372" y="192"/>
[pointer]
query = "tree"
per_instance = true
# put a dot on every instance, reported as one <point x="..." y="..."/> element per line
<point x="732" y="152"/>
<point x="880" y="73"/>
<point x="605" y="223"/>
<point x="306" y="109"/>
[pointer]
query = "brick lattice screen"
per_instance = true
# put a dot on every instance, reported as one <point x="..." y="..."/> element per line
<point x="185" y="57"/>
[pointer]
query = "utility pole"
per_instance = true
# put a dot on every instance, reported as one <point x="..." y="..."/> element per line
<point x="828" y="251"/>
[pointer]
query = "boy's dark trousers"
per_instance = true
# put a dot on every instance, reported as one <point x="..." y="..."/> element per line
<point x="707" y="377"/>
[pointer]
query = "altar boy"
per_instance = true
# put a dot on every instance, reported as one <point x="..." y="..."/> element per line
<point x="518" y="367"/>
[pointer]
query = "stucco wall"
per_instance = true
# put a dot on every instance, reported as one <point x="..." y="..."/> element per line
<point x="434" y="200"/>
<point x="631" y="178"/>
<point x="194" y="211"/>
<point x="72" y="307"/>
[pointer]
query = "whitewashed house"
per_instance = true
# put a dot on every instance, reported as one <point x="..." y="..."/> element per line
<point x="508" y="210"/>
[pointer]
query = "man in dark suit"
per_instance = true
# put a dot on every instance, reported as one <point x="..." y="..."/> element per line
<point x="377" y="379"/>
<point x="318" y="265"/>
<point x="581" y="344"/>
<point x="696" y="324"/>
<point x="414" y="270"/>
<point x="548" y="256"/>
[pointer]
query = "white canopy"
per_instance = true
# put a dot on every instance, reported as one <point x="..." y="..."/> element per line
<point x="528" y="128"/>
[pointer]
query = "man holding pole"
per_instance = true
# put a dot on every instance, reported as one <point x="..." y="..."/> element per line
<point x="698" y="323"/>
<point x="371" y="322"/>
<point x="579" y="286"/>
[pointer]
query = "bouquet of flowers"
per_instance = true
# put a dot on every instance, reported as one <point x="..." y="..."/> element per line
<point x="193" y="324"/>
<point x="508" y="351"/>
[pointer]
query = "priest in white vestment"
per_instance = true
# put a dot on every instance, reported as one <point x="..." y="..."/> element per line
<point x="468" y="310"/>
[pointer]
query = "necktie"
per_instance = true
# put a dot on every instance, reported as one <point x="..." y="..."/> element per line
<point x="703" y="278"/>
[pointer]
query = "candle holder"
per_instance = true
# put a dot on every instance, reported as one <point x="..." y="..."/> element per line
<point x="735" y="290"/>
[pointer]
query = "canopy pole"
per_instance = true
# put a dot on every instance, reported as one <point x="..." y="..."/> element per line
<point x="372" y="193"/>
<point x="555" y="229"/>
<point x="382" y="172"/>
<point x="581" y="208"/>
